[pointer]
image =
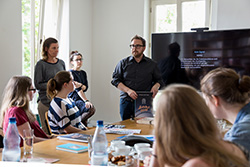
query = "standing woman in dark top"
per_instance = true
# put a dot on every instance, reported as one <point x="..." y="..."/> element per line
<point x="45" y="69"/>
<point x="80" y="78"/>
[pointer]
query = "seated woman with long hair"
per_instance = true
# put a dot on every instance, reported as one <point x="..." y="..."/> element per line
<point x="187" y="135"/>
<point x="63" y="115"/>
<point x="227" y="95"/>
<point x="18" y="92"/>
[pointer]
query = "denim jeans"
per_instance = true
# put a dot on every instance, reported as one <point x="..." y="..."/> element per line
<point x="127" y="108"/>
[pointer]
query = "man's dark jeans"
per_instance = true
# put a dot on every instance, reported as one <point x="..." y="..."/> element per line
<point x="127" y="108"/>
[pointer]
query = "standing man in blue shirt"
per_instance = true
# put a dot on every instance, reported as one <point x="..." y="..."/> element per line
<point x="135" y="73"/>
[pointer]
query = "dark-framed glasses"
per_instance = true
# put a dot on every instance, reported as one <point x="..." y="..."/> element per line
<point x="78" y="59"/>
<point x="136" y="46"/>
<point x="34" y="90"/>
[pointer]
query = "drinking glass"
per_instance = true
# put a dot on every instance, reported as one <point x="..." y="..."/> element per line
<point x="90" y="148"/>
<point x="28" y="140"/>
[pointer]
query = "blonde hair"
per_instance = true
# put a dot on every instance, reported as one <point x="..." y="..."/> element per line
<point x="227" y="84"/>
<point x="185" y="129"/>
<point x="16" y="94"/>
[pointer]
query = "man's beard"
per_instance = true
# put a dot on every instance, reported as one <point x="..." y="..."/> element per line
<point x="137" y="54"/>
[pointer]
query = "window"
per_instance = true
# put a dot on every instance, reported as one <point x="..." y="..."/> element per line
<point x="30" y="22"/>
<point x="179" y="15"/>
<point x="30" y="26"/>
<point x="42" y="19"/>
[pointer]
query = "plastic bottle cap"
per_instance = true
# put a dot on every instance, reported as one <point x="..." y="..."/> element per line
<point x="12" y="120"/>
<point x="100" y="123"/>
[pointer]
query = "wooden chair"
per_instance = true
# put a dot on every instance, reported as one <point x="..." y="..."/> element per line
<point x="47" y="123"/>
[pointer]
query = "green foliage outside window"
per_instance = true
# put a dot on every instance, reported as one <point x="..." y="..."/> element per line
<point x="26" y="30"/>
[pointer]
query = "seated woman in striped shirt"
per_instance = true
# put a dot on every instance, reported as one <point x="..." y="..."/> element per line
<point x="63" y="115"/>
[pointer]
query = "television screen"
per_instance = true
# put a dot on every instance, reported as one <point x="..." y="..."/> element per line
<point x="201" y="52"/>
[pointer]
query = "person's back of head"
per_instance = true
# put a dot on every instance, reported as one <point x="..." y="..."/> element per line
<point x="174" y="49"/>
<point x="185" y="128"/>
<point x="181" y="117"/>
<point x="55" y="84"/>
<point x="227" y="84"/>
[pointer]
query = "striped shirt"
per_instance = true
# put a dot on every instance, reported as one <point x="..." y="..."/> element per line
<point x="62" y="113"/>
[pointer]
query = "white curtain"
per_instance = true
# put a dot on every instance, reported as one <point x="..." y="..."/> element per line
<point x="54" y="22"/>
<point x="62" y="31"/>
<point x="40" y="29"/>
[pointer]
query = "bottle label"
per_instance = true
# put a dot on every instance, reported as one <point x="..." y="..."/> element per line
<point x="99" y="160"/>
<point x="11" y="155"/>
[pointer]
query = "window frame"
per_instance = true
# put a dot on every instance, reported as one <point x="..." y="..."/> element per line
<point x="154" y="3"/>
<point x="58" y="7"/>
<point x="33" y="50"/>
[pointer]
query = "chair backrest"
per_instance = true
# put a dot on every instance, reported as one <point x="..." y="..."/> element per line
<point x="47" y="123"/>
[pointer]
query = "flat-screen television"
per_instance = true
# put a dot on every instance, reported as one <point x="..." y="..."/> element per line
<point x="204" y="51"/>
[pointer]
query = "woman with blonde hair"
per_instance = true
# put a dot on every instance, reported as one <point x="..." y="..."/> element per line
<point x="63" y="115"/>
<point x="18" y="92"/>
<point x="227" y="95"/>
<point x="187" y="135"/>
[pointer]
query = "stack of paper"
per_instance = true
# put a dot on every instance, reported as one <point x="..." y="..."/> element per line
<point x="122" y="131"/>
<point x="75" y="137"/>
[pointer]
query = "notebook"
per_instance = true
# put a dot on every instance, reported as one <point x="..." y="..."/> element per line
<point x="70" y="147"/>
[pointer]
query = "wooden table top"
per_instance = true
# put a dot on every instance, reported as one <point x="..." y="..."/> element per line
<point x="47" y="149"/>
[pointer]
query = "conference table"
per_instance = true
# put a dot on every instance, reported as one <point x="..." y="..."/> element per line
<point x="47" y="149"/>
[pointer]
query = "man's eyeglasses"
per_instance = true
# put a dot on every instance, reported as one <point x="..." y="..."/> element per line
<point x="34" y="90"/>
<point x="78" y="60"/>
<point x="136" y="46"/>
<point x="76" y="53"/>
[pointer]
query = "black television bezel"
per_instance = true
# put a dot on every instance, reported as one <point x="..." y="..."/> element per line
<point x="231" y="47"/>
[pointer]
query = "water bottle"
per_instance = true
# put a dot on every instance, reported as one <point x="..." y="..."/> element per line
<point x="99" y="155"/>
<point x="11" y="141"/>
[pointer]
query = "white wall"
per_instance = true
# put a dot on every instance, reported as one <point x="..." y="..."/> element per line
<point x="80" y="34"/>
<point x="10" y="40"/>
<point x="230" y="14"/>
<point x="102" y="32"/>
<point x="115" y="22"/>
